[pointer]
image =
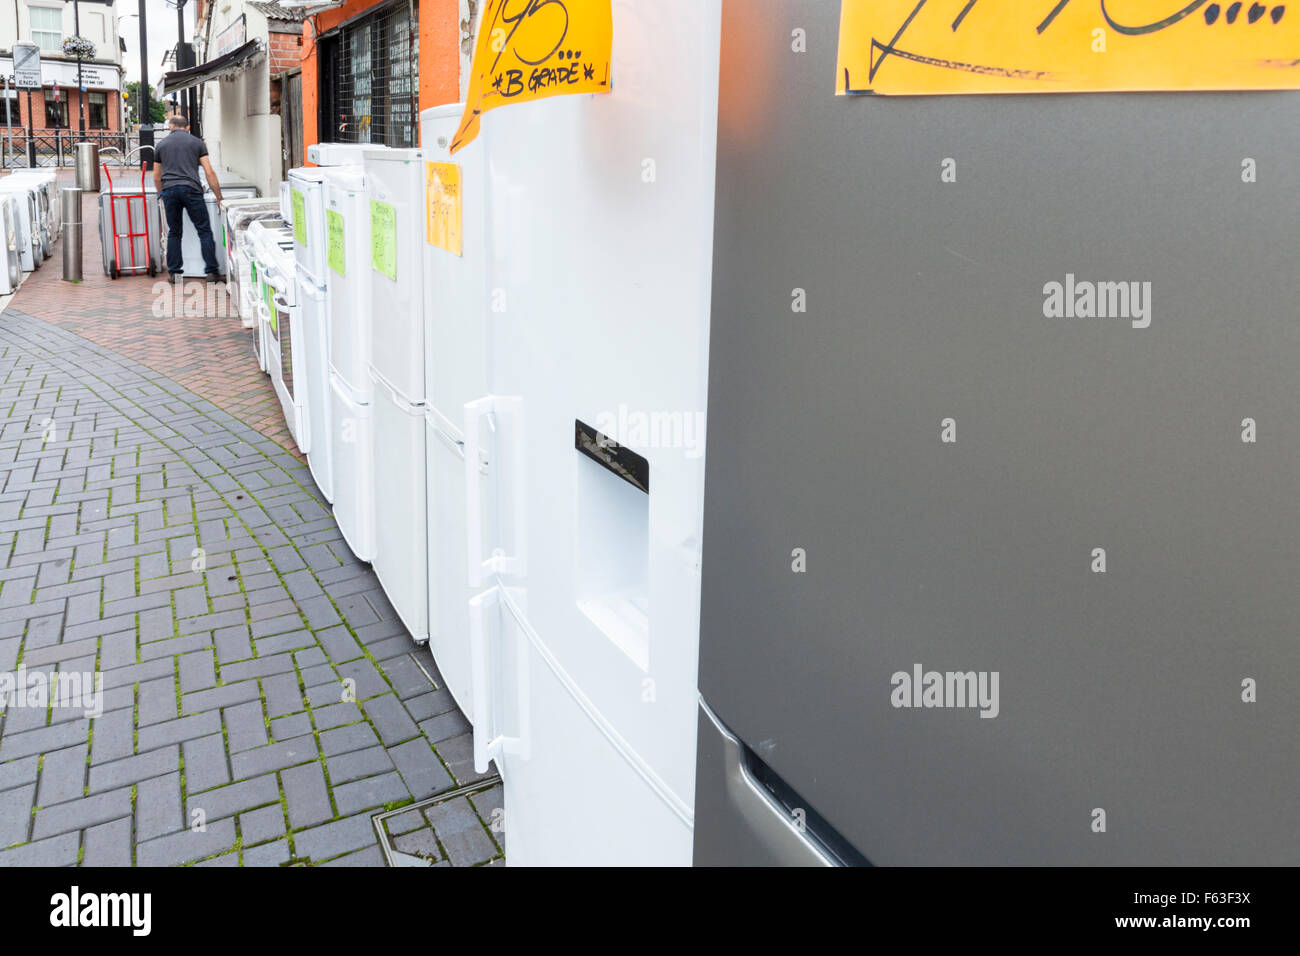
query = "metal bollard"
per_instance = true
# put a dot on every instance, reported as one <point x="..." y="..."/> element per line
<point x="88" y="167"/>
<point x="70" y="197"/>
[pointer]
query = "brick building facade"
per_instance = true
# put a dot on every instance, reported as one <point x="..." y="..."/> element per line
<point x="69" y="97"/>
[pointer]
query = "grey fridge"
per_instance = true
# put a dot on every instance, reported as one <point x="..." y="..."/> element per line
<point x="1002" y="519"/>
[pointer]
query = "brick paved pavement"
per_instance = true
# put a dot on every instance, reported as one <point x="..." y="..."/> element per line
<point x="153" y="528"/>
<point x="204" y="350"/>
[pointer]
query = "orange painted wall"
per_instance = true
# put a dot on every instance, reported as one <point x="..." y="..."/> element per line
<point x="439" y="63"/>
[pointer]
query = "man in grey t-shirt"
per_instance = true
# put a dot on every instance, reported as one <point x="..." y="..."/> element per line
<point x="177" y="160"/>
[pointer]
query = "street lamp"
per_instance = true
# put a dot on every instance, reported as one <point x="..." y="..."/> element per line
<point x="146" y="136"/>
<point x="184" y="60"/>
<point x="81" y="86"/>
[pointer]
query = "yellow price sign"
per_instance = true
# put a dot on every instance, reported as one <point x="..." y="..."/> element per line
<point x="442" y="206"/>
<point x="531" y="49"/>
<point x="1054" y="46"/>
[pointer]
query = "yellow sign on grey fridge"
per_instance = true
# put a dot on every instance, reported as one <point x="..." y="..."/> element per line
<point x="1000" y="46"/>
<point x="383" y="238"/>
<point x="334" y="241"/>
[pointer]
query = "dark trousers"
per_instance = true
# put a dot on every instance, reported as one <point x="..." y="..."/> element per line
<point x="178" y="200"/>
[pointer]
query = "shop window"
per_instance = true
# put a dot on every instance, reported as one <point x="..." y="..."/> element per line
<point x="11" y="116"/>
<point x="56" y="110"/>
<point x="97" y="110"/>
<point x="370" y="89"/>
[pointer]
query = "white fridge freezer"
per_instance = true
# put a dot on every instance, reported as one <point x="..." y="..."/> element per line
<point x="307" y="199"/>
<point x="456" y="303"/>
<point x="11" y="270"/>
<point x="395" y="192"/>
<point x="347" y="223"/>
<point x="314" y="382"/>
<point x="27" y="227"/>
<point x="313" y="231"/>
<point x="586" y="634"/>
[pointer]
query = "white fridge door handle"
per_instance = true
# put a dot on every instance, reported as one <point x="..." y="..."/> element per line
<point x="473" y="499"/>
<point x="490" y="741"/>
<point x="486" y="746"/>
<point x="498" y="562"/>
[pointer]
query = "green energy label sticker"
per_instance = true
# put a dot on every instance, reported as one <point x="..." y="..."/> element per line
<point x="383" y="238"/>
<point x="334" y="241"/>
<point x="299" y="216"/>
<point x="269" y="291"/>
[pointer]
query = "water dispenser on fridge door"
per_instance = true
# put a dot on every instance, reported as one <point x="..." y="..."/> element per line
<point x="585" y="635"/>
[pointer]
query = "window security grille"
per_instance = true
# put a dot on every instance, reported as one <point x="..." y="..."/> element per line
<point x="374" y="96"/>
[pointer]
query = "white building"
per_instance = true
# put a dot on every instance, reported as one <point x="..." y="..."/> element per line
<point x="64" y="103"/>
<point x="243" y="50"/>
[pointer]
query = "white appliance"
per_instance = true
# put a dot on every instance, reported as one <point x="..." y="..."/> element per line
<point x="395" y="190"/>
<point x="284" y="347"/>
<point x="230" y="206"/>
<point x="265" y="238"/>
<point x="27" y="222"/>
<point x="347" y="216"/>
<point x="312" y="238"/>
<point x="41" y="237"/>
<point x="307" y="199"/>
<point x="585" y="634"/>
<point x="456" y="297"/>
<point x="236" y="216"/>
<point x="50" y="201"/>
<point x="191" y="249"/>
<point x="11" y="271"/>
<point x="286" y="204"/>
<point x="338" y="154"/>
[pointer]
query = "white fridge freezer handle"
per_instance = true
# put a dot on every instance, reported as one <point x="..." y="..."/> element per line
<point x="490" y="742"/>
<point x="498" y="562"/>
<point x="486" y="747"/>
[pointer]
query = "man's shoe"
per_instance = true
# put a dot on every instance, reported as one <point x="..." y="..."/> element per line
<point x="177" y="277"/>
<point x="213" y="276"/>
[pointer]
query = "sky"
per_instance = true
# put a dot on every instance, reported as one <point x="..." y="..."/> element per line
<point x="161" y="19"/>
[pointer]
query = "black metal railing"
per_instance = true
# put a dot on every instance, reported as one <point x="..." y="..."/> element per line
<point x="59" y="147"/>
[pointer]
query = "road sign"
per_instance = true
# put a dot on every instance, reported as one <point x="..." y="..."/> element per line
<point x="27" y="66"/>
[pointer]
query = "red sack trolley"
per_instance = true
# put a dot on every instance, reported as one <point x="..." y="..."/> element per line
<point x="116" y="268"/>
